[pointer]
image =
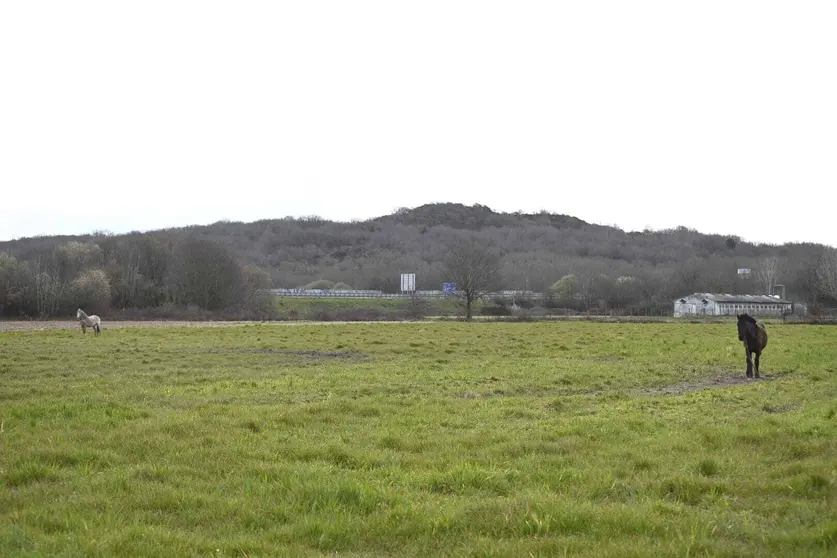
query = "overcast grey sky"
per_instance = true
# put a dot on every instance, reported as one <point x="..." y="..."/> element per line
<point x="717" y="115"/>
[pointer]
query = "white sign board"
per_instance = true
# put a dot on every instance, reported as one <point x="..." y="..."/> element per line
<point x="408" y="282"/>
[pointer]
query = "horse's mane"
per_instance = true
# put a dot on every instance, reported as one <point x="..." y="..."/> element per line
<point x="746" y="318"/>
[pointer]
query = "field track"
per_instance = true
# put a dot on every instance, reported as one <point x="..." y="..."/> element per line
<point x="72" y="324"/>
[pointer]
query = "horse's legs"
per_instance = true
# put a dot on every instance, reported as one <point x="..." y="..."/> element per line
<point x="83" y="329"/>
<point x="98" y="331"/>
<point x="758" y="356"/>
<point x="749" y="363"/>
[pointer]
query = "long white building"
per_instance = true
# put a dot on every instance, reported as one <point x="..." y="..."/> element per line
<point x="709" y="304"/>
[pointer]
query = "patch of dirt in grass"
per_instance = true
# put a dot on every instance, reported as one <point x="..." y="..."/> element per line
<point x="784" y="408"/>
<point x="720" y="381"/>
<point x="283" y="352"/>
<point x="723" y="379"/>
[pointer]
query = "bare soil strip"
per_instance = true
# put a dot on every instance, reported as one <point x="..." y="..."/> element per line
<point x="706" y="383"/>
<point x="715" y="382"/>
<point x="57" y="325"/>
<point x="283" y="352"/>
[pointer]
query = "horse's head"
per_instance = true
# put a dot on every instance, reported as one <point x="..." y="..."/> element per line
<point x="745" y="323"/>
<point x="79" y="313"/>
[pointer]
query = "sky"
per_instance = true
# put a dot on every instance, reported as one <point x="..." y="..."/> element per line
<point x="718" y="115"/>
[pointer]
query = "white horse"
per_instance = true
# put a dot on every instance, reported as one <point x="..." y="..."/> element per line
<point x="89" y="321"/>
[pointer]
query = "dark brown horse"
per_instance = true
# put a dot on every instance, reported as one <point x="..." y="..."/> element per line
<point x="754" y="337"/>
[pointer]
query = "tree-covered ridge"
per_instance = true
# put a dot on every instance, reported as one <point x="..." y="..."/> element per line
<point x="220" y="265"/>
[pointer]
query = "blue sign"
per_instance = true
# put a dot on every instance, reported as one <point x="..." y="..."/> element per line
<point x="449" y="287"/>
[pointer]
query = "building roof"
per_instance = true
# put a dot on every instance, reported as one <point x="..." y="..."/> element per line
<point x="738" y="298"/>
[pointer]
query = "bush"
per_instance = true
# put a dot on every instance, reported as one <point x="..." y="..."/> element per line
<point x="417" y="308"/>
<point x="193" y="313"/>
<point x="168" y="311"/>
<point x="320" y="284"/>
<point x="349" y="315"/>
<point x="495" y="310"/>
<point x="341" y="287"/>
<point x="261" y="307"/>
<point x="518" y="318"/>
<point x="525" y="303"/>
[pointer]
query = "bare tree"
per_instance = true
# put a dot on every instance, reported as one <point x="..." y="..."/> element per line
<point x="474" y="268"/>
<point x="827" y="273"/>
<point x="49" y="289"/>
<point x="207" y="274"/>
<point x="592" y="281"/>
<point x="688" y="277"/>
<point x="91" y="291"/>
<point x="768" y="273"/>
<point x="17" y="293"/>
<point x="259" y="303"/>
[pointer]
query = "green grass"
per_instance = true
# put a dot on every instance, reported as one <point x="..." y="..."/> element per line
<point x="308" y="307"/>
<point x="305" y="304"/>
<point x="444" y="439"/>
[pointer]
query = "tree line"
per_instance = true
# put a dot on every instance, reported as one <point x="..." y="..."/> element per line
<point x="223" y="266"/>
<point x="132" y="271"/>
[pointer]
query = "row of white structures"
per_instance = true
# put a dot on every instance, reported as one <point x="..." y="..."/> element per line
<point x="708" y="304"/>
<point x="355" y="293"/>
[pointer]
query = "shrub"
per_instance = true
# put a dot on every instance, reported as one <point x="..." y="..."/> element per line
<point x="320" y="284"/>
<point x="417" y="308"/>
<point x="261" y="307"/>
<point x="495" y="310"/>
<point x="349" y="315"/>
<point x="525" y="303"/>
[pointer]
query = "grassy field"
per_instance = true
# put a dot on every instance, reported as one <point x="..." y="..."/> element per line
<point x="311" y="308"/>
<point x="443" y="439"/>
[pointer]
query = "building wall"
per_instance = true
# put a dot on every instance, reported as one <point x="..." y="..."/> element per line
<point x="753" y="308"/>
<point x="696" y="307"/>
<point x="683" y="309"/>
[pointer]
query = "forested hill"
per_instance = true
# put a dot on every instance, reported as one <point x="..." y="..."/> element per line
<point x="608" y="265"/>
